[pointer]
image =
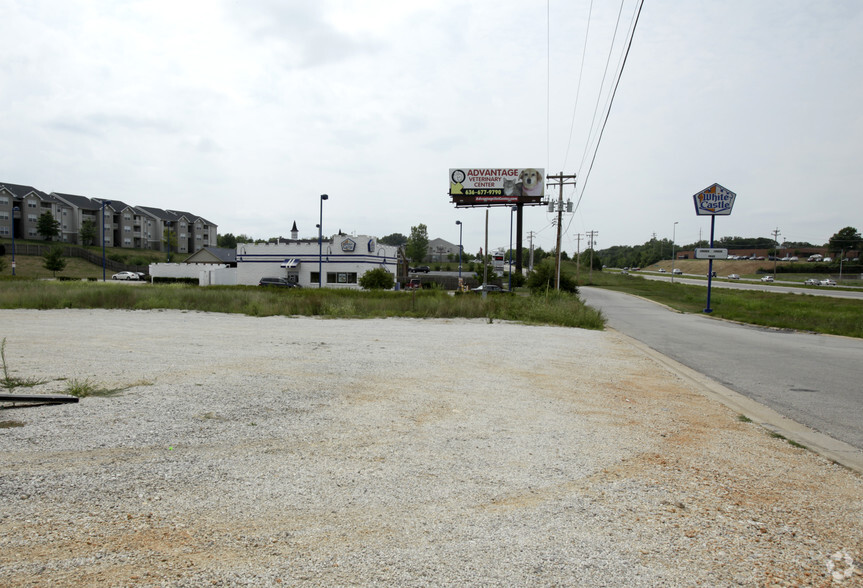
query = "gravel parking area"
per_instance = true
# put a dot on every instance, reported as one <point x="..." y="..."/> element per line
<point x="301" y="451"/>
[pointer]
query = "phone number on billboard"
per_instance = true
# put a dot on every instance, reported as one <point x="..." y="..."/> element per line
<point x="482" y="192"/>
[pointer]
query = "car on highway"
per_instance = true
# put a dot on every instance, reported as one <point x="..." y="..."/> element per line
<point x="812" y="282"/>
<point x="733" y="277"/>
<point x="488" y="288"/>
<point x="677" y="271"/>
<point x="126" y="276"/>
<point x="767" y="279"/>
<point x="422" y="269"/>
<point x="828" y="282"/>
<point x="278" y="282"/>
<point x="662" y="270"/>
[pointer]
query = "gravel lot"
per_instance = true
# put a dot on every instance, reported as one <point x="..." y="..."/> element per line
<point x="300" y="451"/>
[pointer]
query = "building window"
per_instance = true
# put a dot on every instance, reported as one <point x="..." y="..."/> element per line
<point x="4" y="200"/>
<point x="4" y="230"/>
<point x="31" y="218"/>
<point x="127" y="229"/>
<point x="127" y="241"/>
<point x="4" y="216"/>
<point x="31" y="204"/>
<point x="341" y="277"/>
<point x="31" y="232"/>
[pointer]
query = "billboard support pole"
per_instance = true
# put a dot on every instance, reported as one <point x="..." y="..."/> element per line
<point x="484" y="256"/>
<point x="710" y="265"/>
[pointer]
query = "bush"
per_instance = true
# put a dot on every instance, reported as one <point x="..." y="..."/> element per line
<point x="542" y="278"/>
<point x="377" y="279"/>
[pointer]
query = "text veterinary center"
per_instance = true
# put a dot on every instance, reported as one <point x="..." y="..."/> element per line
<point x="489" y="178"/>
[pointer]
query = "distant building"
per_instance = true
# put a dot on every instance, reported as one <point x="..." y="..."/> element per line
<point x="140" y="227"/>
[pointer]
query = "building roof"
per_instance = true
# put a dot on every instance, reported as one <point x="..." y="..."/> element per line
<point x="206" y="255"/>
<point x="158" y="213"/>
<point x="81" y="202"/>
<point x="19" y="191"/>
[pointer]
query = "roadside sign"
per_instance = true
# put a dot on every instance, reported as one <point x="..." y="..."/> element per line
<point x="714" y="200"/>
<point x="710" y="253"/>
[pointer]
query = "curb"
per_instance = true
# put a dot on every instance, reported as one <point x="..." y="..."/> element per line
<point x="836" y="451"/>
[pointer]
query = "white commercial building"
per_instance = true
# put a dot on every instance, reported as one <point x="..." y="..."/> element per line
<point x="342" y="259"/>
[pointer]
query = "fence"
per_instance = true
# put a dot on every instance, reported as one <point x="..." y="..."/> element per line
<point x="68" y="251"/>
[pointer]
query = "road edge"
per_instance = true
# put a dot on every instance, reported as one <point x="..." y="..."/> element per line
<point x="836" y="451"/>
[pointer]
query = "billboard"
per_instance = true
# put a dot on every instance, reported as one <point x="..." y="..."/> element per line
<point x="479" y="186"/>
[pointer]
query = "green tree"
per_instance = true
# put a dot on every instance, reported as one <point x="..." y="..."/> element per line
<point x="228" y="241"/>
<point x="54" y="261"/>
<point x="88" y="232"/>
<point x="377" y="279"/>
<point x="47" y="226"/>
<point x="395" y="240"/>
<point x="847" y="239"/>
<point x="169" y="238"/>
<point x="542" y="278"/>
<point x="417" y="244"/>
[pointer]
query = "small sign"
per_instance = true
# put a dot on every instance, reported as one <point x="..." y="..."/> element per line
<point x="714" y="201"/>
<point x="711" y="253"/>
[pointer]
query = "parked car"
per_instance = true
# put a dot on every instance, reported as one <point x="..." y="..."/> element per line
<point x="828" y="282"/>
<point x="488" y="288"/>
<point x="277" y="282"/>
<point x="677" y="271"/>
<point x="812" y="282"/>
<point x="422" y="269"/>
<point x="126" y="276"/>
<point x="733" y="277"/>
<point x="767" y="279"/>
<point x="414" y="284"/>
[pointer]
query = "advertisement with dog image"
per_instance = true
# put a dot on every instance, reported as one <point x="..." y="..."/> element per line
<point x="491" y="186"/>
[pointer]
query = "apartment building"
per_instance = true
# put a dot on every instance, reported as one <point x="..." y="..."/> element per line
<point x="123" y="225"/>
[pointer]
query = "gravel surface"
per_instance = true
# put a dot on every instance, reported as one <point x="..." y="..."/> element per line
<point x="300" y="451"/>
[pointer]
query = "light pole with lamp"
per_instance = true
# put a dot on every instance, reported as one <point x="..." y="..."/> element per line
<point x="14" y="210"/>
<point x="673" y="234"/>
<point x="321" y="243"/>
<point x="458" y="222"/>
<point x="104" y="203"/>
<point x="511" y="210"/>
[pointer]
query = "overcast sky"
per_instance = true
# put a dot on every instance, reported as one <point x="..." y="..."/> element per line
<point x="244" y="112"/>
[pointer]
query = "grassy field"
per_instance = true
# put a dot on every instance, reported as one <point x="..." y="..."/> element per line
<point x="800" y="312"/>
<point x="554" y="309"/>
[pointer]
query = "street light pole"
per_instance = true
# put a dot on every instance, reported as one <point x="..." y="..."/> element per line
<point x="458" y="222"/>
<point x="104" y="203"/>
<point x="14" y="210"/>
<point x="673" y="235"/>
<point x="321" y="243"/>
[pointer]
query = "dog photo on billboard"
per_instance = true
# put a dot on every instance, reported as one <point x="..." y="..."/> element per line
<point x="531" y="182"/>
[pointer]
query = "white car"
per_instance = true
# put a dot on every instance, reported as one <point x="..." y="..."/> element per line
<point x="662" y="270"/>
<point x="828" y="282"/>
<point x="767" y="279"/>
<point x="812" y="282"/>
<point x="677" y="271"/>
<point x="733" y="277"/>
<point x="126" y="276"/>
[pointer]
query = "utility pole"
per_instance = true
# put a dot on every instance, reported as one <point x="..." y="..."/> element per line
<point x="775" y="249"/>
<point x="578" y="258"/>
<point x="530" y="259"/>
<point x="561" y="182"/>
<point x="590" y="239"/>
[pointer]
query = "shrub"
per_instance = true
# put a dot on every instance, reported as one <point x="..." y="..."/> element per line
<point x="543" y="278"/>
<point x="377" y="279"/>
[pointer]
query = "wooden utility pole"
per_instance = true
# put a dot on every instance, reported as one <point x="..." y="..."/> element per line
<point x="578" y="258"/>
<point x="561" y="182"/>
<point x="591" y="235"/>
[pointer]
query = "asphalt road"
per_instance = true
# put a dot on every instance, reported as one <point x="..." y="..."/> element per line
<point x="778" y="286"/>
<point x="815" y="380"/>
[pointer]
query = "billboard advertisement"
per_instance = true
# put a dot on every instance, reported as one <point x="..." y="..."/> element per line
<point x="476" y="186"/>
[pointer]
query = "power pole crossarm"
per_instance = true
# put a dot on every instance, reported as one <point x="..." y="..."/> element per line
<point x="561" y="181"/>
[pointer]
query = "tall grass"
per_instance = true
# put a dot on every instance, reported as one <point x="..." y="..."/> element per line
<point x="559" y="309"/>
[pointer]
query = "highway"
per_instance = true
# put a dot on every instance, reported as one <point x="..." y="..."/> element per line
<point x="815" y="380"/>
<point x="777" y="286"/>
